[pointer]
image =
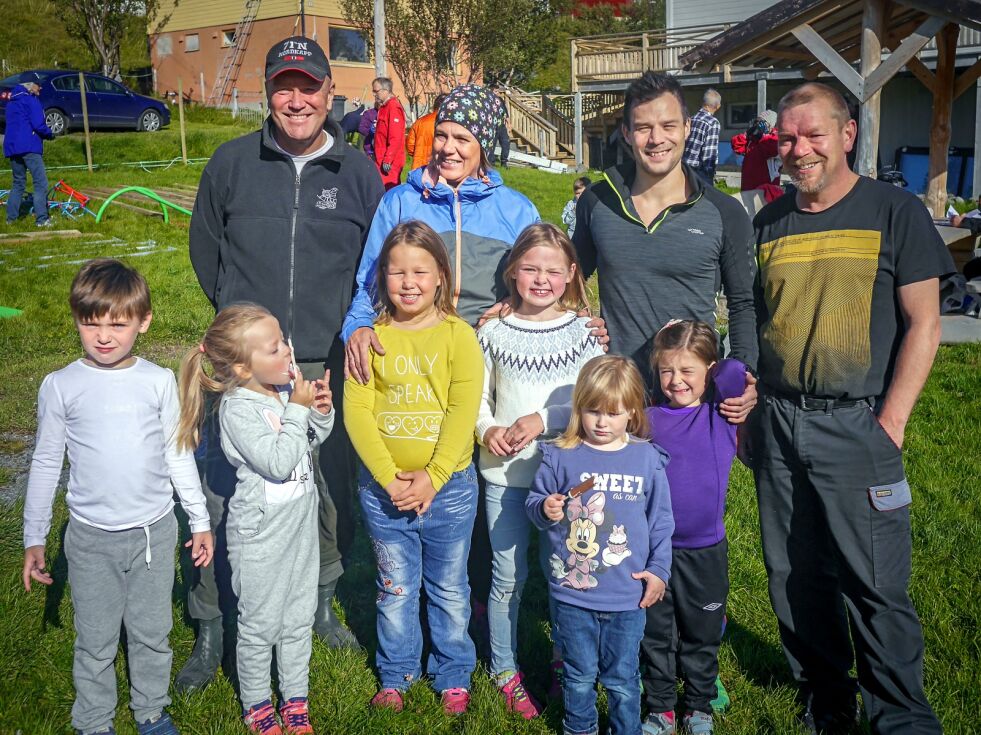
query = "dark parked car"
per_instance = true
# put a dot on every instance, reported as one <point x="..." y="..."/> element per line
<point x="110" y="104"/>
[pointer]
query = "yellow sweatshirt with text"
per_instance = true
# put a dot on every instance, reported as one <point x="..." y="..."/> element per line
<point x="419" y="408"/>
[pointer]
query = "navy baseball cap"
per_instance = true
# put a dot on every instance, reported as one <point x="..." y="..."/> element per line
<point x="297" y="53"/>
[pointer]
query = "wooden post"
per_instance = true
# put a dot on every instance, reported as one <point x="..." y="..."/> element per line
<point x="936" y="197"/>
<point x="976" y="184"/>
<point x="873" y="27"/>
<point x="577" y="106"/>
<point x="574" y="84"/>
<point x="262" y="102"/>
<point x="85" y="120"/>
<point x="760" y="93"/>
<point x="204" y="94"/>
<point x="180" y="113"/>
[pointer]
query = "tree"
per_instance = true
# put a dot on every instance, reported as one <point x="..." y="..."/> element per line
<point x="498" y="40"/>
<point x="102" y="25"/>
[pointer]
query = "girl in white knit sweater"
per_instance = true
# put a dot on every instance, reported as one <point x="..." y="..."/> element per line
<point x="532" y="357"/>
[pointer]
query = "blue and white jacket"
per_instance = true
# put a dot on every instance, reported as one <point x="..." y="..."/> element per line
<point x="479" y="223"/>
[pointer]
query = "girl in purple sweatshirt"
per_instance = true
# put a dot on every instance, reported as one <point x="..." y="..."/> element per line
<point x="687" y="625"/>
<point x="601" y="494"/>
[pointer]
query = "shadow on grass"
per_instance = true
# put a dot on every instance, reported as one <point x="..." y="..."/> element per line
<point x="58" y="569"/>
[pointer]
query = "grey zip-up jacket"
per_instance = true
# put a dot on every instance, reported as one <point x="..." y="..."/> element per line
<point x="669" y="269"/>
<point x="268" y="441"/>
<point x="291" y="243"/>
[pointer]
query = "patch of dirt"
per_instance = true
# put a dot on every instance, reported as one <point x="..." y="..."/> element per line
<point x="16" y="450"/>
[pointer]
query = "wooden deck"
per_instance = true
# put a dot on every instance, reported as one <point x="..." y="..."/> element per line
<point x="606" y="62"/>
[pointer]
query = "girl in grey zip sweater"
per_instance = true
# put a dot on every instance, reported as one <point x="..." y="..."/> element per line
<point x="268" y="431"/>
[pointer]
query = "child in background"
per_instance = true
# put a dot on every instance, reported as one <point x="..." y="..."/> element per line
<point x="532" y="357"/>
<point x="602" y="495"/>
<point x="412" y="425"/>
<point x="268" y="430"/>
<point x="569" y="211"/>
<point x="117" y="414"/>
<point x="688" y="625"/>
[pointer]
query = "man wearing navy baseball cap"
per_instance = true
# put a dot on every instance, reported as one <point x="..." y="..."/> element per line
<point x="280" y="219"/>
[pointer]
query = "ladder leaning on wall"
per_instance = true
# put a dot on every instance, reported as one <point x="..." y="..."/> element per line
<point x="228" y="73"/>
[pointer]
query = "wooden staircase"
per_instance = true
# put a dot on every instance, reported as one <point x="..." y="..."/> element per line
<point x="228" y="72"/>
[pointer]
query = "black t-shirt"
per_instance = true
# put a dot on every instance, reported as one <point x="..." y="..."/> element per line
<point x="829" y="318"/>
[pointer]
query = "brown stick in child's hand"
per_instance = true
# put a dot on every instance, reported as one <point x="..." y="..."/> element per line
<point x="582" y="487"/>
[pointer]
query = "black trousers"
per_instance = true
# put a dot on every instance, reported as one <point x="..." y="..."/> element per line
<point x="684" y="630"/>
<point x="335" y="475"/>
<point x="835" y="523"/>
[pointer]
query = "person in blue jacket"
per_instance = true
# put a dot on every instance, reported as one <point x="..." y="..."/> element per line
<point x="22" y="145"/>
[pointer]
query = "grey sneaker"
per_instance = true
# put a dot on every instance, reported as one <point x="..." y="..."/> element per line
<point x="697" y="723"/>
<point x="45" y="223"/>
<point x="658" y="723"/>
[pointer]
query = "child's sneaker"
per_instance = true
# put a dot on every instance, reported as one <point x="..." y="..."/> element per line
<point x="721" y="700"/>
<point x="296" y="716"/>
<point x="658" y="723"/>
<point x="455" y="701"/>
<point x="517" y="698"/>
<point x="161" y="725"/>
<point x="698" y="723"/>
<point x="557" y="680"/>
<point x="262" y="719"/>
<point x="388" y="699"/>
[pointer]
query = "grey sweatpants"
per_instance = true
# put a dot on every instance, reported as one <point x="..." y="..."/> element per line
<point x="274" y="555"/>
<point x="121" y="577"/>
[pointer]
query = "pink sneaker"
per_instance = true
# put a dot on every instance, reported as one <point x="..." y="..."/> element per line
<point x="388" y="699"/>
<point x="262" y="719"/>
<point x="455" y="701"/>
<point x="295" y="714"/>
<point x="518" y="699"/>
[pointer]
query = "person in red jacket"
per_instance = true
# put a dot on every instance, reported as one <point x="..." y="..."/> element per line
<point x="389" y="133"/>
<point x="758" y="146"/>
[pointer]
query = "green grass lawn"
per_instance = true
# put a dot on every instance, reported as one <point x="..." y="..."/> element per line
<point x="36" y="629"/>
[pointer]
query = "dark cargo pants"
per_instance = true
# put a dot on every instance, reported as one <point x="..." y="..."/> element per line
<point x="835" y="524"/>
<point x="211" y="595"/>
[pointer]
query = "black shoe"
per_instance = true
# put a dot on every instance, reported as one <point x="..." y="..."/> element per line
<point x="201" y="667"/>
<point x="841" y="722"/>
<point x="327" y="625"/>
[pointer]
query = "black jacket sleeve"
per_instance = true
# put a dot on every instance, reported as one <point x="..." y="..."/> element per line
<point x="582" y="238"/>
<point x="206" y="235"/>
<point x="737" y="263"/>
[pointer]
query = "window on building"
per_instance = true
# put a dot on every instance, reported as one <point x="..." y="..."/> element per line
<point x="192" y="42"/>
<point x="228" y="37"/>
<point x="740" y="115"/>
<point x="347" y="44"/>
<point x="164" y="45"/>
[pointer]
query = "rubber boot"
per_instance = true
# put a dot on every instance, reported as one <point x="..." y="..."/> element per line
<point x="203" y="663"/>
<point x="327" y="625"/>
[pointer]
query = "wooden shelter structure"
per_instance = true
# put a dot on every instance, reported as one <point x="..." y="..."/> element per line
<point x="814" y="36"/>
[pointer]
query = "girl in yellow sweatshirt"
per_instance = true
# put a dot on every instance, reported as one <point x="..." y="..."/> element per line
<point x="413" y="425"/>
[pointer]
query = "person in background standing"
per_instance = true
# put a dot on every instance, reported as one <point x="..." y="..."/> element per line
<point x="702" y="146"/>
<point x="761" y="163"/>
<point x="366" y="128"/>
<point x="419" y="143"/>
<point x="390" y="133"/>
<point x="23" y="146"/>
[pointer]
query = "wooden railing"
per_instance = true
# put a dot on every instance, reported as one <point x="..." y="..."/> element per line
<point x="530" y="125"/>
<point x="623" y="56"/>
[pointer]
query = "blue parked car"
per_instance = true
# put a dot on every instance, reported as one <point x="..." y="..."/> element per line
<point x="110" y="104"/>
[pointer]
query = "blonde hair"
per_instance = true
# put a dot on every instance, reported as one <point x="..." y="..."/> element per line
<point x="543" y="234"/>
<point x="607" y="383"/>
<point x="224" y="346"/>
<point x="415" y="234"/>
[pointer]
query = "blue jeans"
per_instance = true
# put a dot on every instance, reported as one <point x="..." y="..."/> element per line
<point x="19" y="166"/>
<point x="412" y="550"/>
<point x="606" y="644"/>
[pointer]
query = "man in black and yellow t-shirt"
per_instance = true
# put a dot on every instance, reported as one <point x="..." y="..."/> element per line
<point x="848" y="315"/>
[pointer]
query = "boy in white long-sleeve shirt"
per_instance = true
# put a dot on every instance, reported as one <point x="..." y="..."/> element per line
<point x="117" y="415"/>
